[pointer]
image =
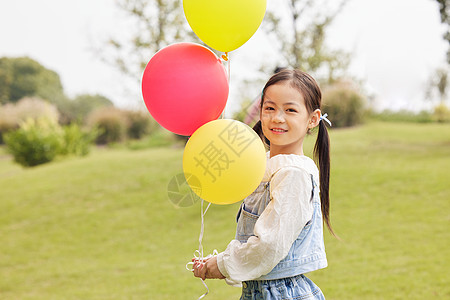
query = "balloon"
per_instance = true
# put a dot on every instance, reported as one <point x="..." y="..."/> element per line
<point x="184" y="86"/>
<point x="225" y="160"/>
<point x="224" y="25"/>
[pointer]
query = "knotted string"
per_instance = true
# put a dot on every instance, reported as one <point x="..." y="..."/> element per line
<point x="324" y="117"/>
<point x="198" y="254"/>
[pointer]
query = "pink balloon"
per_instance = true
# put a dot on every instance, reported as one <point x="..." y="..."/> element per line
<point x="184" y="86"/>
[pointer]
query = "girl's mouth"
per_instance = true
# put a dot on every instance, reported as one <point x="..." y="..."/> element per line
<point x="278" y="130"/>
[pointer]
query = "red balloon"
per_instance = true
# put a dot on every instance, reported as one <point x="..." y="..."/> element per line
<point x="184" y="86"/>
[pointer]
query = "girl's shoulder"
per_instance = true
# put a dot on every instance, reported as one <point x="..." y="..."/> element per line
<point x="290" y="161"/>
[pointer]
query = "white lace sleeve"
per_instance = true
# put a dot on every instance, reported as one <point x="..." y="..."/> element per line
<point x="276" y="229"/>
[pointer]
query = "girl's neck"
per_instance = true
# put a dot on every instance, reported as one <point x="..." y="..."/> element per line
<point x="275" y="150"/>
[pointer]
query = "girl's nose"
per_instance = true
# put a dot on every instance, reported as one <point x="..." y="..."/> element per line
<point x="278" y="117"/>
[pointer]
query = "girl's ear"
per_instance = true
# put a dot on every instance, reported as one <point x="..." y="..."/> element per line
<point x="315" y="119"/>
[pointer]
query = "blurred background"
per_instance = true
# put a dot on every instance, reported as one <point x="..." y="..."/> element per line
<point x="85" y="171"/>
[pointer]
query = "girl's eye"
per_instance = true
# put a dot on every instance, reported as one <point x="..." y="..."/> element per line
<point x="291" y="110"/>
<point x="269" y="108"/>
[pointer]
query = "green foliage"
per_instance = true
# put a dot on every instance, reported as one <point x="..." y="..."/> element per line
<point x="116" y="125"/>
<point x="402" y="116"/>
<point x="35" y="142"/>
<point x="438" y="84"/>
<point x="6" y="79"/>
<point x="112" y="124"/>
<point x="24" y="77"/>
<point x="444" y="8"/>
<point x="39" y="141"/>
<point x="8" y="120"/>
<point x="79" y="108"/>
<point x="344" y="105"/>
<point x="77" y="141"/>
<point x="32" y="108"/>
<point x="140" y="123"/>
<point x="13" y="114"/>
<point x="441" y="113"/>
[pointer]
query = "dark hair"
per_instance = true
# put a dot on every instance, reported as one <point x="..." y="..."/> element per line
<point x="312" y="96"/>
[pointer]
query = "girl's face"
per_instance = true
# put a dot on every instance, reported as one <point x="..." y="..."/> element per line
<point x="285" y="120"/>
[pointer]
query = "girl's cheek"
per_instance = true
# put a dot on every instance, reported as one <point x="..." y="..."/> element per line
<point x="265" y="117"/>
<point x="263" y="123"/>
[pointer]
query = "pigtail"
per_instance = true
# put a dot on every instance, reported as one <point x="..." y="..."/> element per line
<point x="322" y="155"/>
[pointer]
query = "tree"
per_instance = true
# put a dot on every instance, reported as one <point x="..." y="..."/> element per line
<point x="444" y="7"/>
<point x="301" y="37"/>
<point x="158" y="23"/>
<point x="79" y="108"/>
<point x="439" y="81"/>
<point x="438" y="85"/>
<point x="24" y="77"/>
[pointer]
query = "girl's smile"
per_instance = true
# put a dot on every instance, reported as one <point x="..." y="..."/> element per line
<point x="278" y="130"/>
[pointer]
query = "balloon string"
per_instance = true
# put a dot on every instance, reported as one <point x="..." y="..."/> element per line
<point x="198" y="254"/>
<point x="202" y="229"/>
<point x="226" y="58"/>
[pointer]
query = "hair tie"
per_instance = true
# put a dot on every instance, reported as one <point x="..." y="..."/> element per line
<point x="324" y="117"/>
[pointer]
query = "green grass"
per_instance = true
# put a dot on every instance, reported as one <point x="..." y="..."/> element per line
<point x="102" y="226"/>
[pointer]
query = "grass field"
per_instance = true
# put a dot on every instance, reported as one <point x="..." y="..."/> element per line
<point x="102" y="227"/>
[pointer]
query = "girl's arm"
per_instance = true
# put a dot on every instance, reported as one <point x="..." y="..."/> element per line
<point x="276" y="229"/>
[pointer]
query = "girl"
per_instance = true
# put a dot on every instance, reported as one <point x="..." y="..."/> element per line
<point x="279" y="235"/>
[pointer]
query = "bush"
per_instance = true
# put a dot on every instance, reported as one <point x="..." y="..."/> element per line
<point x="8" y="120"/>
<point x="35" y="142"/>
<point x="35" y="108"/>
<point x="115" y="125"/>
<point x="77" y="141"/>
<point x="344" y="105"/>
<point x="40" y="141"/>
<point x="11" y="115"/>
<point x="441" y="113"/>
<point x="140" y="123"/>
<point x="111" y="123"/>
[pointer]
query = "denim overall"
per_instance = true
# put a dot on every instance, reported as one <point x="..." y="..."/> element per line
<point x="307" y="253"/>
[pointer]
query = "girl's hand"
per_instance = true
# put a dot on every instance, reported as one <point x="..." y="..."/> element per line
<point x="199" y="269"/>
<point x="208" y="269"/>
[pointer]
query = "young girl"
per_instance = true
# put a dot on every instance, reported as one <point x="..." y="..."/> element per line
<point x="279" y="235"/>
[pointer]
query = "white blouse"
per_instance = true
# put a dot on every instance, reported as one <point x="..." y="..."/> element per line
<point x="280" y="223"/>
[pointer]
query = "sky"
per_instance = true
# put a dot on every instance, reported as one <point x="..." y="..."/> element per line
<point x="395" y="46"/>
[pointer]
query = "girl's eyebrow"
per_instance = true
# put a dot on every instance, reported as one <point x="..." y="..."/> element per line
<point x="284" y="104"/>
<point x="268" y="101"/>
<point x="291" y="103"/>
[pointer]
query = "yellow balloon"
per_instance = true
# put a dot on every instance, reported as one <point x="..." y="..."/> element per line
<point x="224" y="161"/>
<point x="224" y="25"/>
